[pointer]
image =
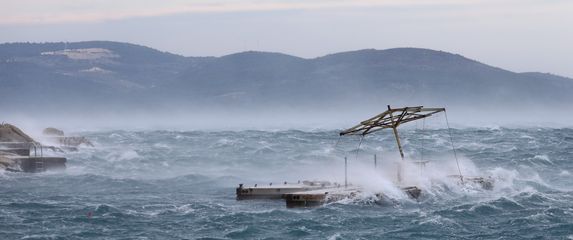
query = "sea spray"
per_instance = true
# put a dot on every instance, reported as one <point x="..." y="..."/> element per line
<point x="192" y="196"/>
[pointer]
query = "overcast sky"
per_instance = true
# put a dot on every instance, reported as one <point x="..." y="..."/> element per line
<point x="518" y="35"/>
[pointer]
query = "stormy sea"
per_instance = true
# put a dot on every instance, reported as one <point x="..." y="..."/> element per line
<point x="181" y="185"/>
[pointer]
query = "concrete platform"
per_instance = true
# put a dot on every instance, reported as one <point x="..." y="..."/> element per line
<point x="277" y="191"/>
<point x="40" y="164"/>
<point x="320" y="197"/>
<point x="20" y="153"/>
<point x="317" y="198"/>
<point x="27" y="157"/>
<point x="309" y="193"/>
<point x="18" y="148"/>
<point x="10" y="161"/>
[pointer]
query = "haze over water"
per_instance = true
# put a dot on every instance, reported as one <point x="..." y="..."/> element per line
<point x="180" y="185"/>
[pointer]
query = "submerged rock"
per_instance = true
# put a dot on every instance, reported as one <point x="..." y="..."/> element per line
<point x="53" y="132"/>
<point x="58" y="137"/>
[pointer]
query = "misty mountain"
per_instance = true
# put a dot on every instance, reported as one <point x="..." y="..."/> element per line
<point x="112" y="75"/>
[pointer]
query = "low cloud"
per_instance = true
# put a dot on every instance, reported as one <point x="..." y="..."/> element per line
<point x="59" y="11"/>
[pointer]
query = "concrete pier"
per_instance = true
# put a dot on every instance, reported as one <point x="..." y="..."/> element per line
<point x="20" y="153"/>
<point x="27" y="157"/>
<point x="18" y="148"/>
<point x="277" y="191"/>
<point x="40" y="164"/>
<point x="317" y="198"/>
<point x="320" y="197"/>
<point x="309" y="193"/>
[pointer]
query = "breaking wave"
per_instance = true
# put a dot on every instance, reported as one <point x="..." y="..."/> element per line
<point x="177" y="184"/>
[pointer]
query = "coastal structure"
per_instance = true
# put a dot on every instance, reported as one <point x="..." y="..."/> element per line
<point x="316" y="195"/>
<point x="21" y="153"/>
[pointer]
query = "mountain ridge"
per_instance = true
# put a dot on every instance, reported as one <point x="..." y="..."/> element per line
<point x="123" y="75"/>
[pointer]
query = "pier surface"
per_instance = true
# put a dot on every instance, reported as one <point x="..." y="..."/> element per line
<point x="277" y="191"/>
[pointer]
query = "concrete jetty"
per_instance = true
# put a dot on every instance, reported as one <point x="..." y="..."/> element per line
<point x="20" y="153"/>
<point x="309" y="193"/>
<point x="315" y="198"/>
<point x="277" y="191"/>
<point x="320" y="197"/>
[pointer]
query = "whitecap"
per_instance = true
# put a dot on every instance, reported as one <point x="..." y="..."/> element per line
<point x="335" y="236"/>
<point x="161" y="145"/>
<point x="185" y="209"/>
<point x="439" y="220"/>
<point x="115" y="135"/>
<point x="543" y="157"/>
<point x="122" y="156"/>
<point x="127" y="155"/>
<point x="527" y="136"/>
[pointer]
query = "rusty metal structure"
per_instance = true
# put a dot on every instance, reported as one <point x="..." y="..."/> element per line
<point x="392" y="118"/>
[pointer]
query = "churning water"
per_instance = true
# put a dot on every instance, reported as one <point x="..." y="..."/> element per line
<point x="181" y="185"/>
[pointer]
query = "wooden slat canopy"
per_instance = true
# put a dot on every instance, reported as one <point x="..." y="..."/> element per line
<point x="391" y="118"/>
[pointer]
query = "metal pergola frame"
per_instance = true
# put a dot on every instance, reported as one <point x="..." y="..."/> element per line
<point x="391" y="118"/>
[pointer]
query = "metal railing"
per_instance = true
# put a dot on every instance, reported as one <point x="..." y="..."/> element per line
<point x="20" y="147"/>
<point x="37" y="145"/>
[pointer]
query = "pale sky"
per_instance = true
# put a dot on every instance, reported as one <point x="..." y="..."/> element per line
<point x="518" y="35"/>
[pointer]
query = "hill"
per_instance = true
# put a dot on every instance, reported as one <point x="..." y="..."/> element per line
<point x="110" y="75"/>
